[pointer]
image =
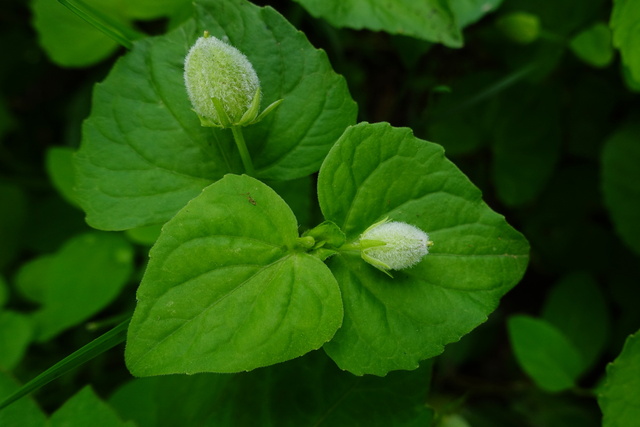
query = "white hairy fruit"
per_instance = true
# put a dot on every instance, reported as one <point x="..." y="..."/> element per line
<point x="215" y="69"/>
<point x="394" y="245"/>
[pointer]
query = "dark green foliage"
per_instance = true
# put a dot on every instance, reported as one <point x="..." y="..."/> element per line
<point x="508" y="131"/>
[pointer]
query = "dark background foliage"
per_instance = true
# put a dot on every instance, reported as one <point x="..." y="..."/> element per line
<point x="527" y="123"/>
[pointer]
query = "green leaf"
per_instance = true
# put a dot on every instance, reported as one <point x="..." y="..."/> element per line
<point x="71" y="41"/>
<point x="59" y="164"/>
<point x="308" y="391"/>
<point x="520" y="27"/>
<point x="629" y="81"/>
<point x="22" y="414"/>
<point x="12" y="221"/>
<point x="577" y="307"/>
<point x="146" y="235"/>
<point x="300" y="196"/>
<point x="15" y="335"/>
<point x="144" y="154"/>
<point x="621" y="182"/>
<point x="82" y="278"/>
<point x="112" y="27"/>
<point x="619" y="398"/>
<point x="459" y="122"/>
<point x="151" y="9"/>
<point x="405" y="17"/>
<point x="469" y="11"/>
<point x="626" y="34"/>
<point x="544" y="353"/>
<point x="527" y="139"/>
<point x="292" y="141"/>
<point x="593" y="45"/>
<point x="226" y="289"/>
<point x="376" y="171"/>
<point x="559" y="17"/>
<point x="31" y="277"/>
<point x="66" y="38"/>
<point x="4" y="292"/>
<point x="85" y="408"/>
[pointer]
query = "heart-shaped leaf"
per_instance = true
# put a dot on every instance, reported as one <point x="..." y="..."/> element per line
<point x="144" y="154"/>
<point x="376" y="171"/>
<point x="227" y="289"/>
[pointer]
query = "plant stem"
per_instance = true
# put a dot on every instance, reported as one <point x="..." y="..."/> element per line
<point x="350" y="247"/>
<point x="242" y="148"/>
<point x="96" y="347"/>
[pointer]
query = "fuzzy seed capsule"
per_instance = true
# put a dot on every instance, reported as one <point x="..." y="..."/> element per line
<point x="215" y="71"/>
<point x="394" y="245"/>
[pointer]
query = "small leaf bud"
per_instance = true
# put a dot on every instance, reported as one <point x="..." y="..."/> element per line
<point x="393" y="245"/>
<point x="221" y="82"/>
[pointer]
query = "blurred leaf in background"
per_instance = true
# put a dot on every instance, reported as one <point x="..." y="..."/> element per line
<point x="621" y="182"/>
<point x="544" y="353"/>
<point x="70" y="41"/>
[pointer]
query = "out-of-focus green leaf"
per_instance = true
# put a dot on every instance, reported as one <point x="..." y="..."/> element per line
<point x="308" y="391"/>
<point x="12" y="220"/>
<point x="227" y="288"/>
<point x="15" y="335"/>
<point x="31" y="278"/>
<point x="519" y="27"/>
<point x="622" y="283"/>
<point x="85" y="275"/>
<point x="85" y="408"/>
<point x="626" y="34"/>
<point x="578" y="308"/>
<point x="559" y="18"/>
<point x="68" y="39"/>
<point x="24" y="413"/>
<point x="4" y="292"/>
<point x="527" y="142"/>
<point x="544" y="353"/>
<point x="594" y="98"/>
<point x="621" y="182"/>
<point x="619" y="397"/>
<point x="632" y="84"/>
<point x="376" y="171"/>
<point x="557" y="410"/>
<point x="593" y="45"/>
<point x="71" y="41"/>
<point x="430" y="20"/>
<point x="146" y="235"/>
<point x="459" y="127"/>
<point x="59" y="164"/>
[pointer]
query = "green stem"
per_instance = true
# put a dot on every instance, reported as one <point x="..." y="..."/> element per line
<point x="350" y="247"/>
<point x="242" y="148"/>
<point x="98" y="346"/>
